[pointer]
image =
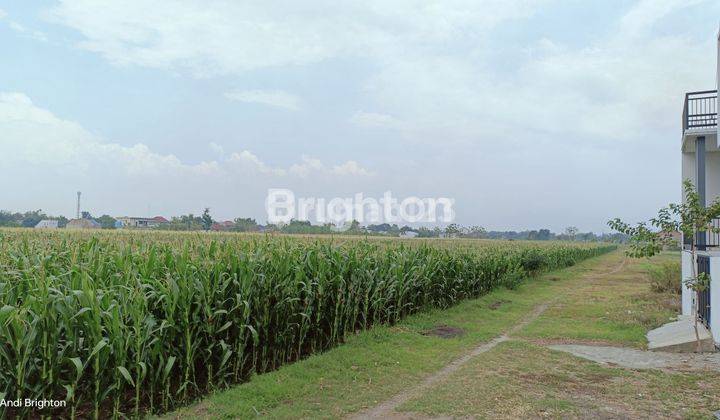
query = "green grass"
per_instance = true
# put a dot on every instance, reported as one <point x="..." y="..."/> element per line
<point x="520" y="380"/>
<point x="123" y="324"/>
<point x="590" y="302"/>
<point x="616" y="308"/>
<point x="376" y="364"/>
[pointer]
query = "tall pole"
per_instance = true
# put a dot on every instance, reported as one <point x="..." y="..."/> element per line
<point x="78" y="206"/>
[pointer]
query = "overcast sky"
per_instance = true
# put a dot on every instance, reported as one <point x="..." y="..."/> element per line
<point x="529" y="114"/>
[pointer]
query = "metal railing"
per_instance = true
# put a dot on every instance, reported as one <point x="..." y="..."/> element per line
<point x="711" y="236"/>
<point x="705" y="240"/>
<point x="700" y="110"/>
<point x="703" y="307"/>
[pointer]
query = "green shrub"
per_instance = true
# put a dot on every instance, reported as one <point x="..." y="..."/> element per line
<point x="514" y="276"/>
<point x="666" y="277"/>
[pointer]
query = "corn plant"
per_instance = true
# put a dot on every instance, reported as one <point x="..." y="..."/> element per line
<point x="122" y="325"/>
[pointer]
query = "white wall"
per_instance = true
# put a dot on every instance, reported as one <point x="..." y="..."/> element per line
<point x="715" y="298"/>
<point x="712" y="171"/>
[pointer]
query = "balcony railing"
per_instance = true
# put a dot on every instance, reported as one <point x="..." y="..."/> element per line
<point x="700" y="110"/>
<point x="708" y="240"/>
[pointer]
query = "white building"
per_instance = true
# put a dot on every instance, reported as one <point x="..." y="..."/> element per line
<point x="701" y="164"/>
<point x="142" y="222"/>
<point x="47" y="224"/>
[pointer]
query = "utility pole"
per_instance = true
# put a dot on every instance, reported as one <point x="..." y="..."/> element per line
<point x="78" y="206"/>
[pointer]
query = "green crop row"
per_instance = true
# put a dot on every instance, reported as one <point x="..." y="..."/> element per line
<point x="121" y="325"/>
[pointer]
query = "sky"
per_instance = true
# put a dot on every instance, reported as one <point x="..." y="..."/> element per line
<point x="528" y="113"/>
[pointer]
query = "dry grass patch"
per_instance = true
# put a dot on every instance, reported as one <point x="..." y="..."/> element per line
<point x="519" y="379"/>
<point x="615" y="307"/>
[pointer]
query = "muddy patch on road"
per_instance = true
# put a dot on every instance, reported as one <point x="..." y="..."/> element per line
<point x="444" y="331"/>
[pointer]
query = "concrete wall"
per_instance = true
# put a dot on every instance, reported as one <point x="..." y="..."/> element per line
<point x="715" y="298"/>
<point x="712" y="172"/>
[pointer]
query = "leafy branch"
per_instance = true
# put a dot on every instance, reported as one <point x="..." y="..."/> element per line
<point x="692" y="218"/>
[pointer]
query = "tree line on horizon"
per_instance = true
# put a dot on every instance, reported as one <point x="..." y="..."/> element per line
<point x="204" y="221"/>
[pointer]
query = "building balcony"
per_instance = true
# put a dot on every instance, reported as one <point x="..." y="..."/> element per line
<point x="700" y="110"/>
<point x="699" y="119"/>
<point x="706" y="241"/>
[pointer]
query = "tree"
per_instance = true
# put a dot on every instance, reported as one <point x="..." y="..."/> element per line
<point x="543" y="235"/>
<point x="32" y="218"/>
<point x="62" y="221"/>
<point x="424" y="232"/>
<point x="691" y="218"/>
<point x="245" y="225"/>
<point x="86" y="215"/>
<point x="354" y="227"/>
<point x="452" y="230"/>
<point x="476" y="232"/>
<point x="106" y="221"/>
<point x="571" y="231"/>
<point x="7" y="219"/>
<point x="207" y="220"/>
<point x="381" y="228"/>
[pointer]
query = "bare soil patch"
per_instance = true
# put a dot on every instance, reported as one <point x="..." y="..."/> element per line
<point x="445" y="331"/>
<point x="497" y="304"/>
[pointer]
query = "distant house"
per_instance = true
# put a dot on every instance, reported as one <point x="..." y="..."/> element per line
<point x="141" y="222"/>
<point x="47" y="224"/>
<point x="408" y="234"/>
<point x="222" y="226"/>
<point x="675" y="237"/>
<point x="83" y="224"/>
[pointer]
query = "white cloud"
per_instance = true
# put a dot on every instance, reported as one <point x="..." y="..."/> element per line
<point x="433" y="62"/>
<point x="247" y="160"/>
<point x="62" y="155"/>
<point x="233" y="37"/>
<point x="3" y="14"/>
<point x="273" y="98"/>
<point x="620" y="87"/>
<point x="458" y="78"/>
<point x="350" y="168"/>
<point x="21" y="29"/>
<point x="375" y="120"/>
<point x="645" y="13"/>
<point x="216" y="148"/>
<point x="310" y="165"/>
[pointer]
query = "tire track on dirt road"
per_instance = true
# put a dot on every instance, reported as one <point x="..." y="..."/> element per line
<point x="386" y="410"/>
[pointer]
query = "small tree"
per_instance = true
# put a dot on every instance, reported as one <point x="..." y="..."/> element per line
<point x="207" y="220"/>
<point x="475" y="232"/>
<point x="245" y="225"/>
<point x="571" y="231"/>
<point x="691" y="218"/>
<point x="452" y="230"/>
<point x="106" y="221"/>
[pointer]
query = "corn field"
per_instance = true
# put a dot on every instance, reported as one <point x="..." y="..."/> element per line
<point x="121" y="325"/>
